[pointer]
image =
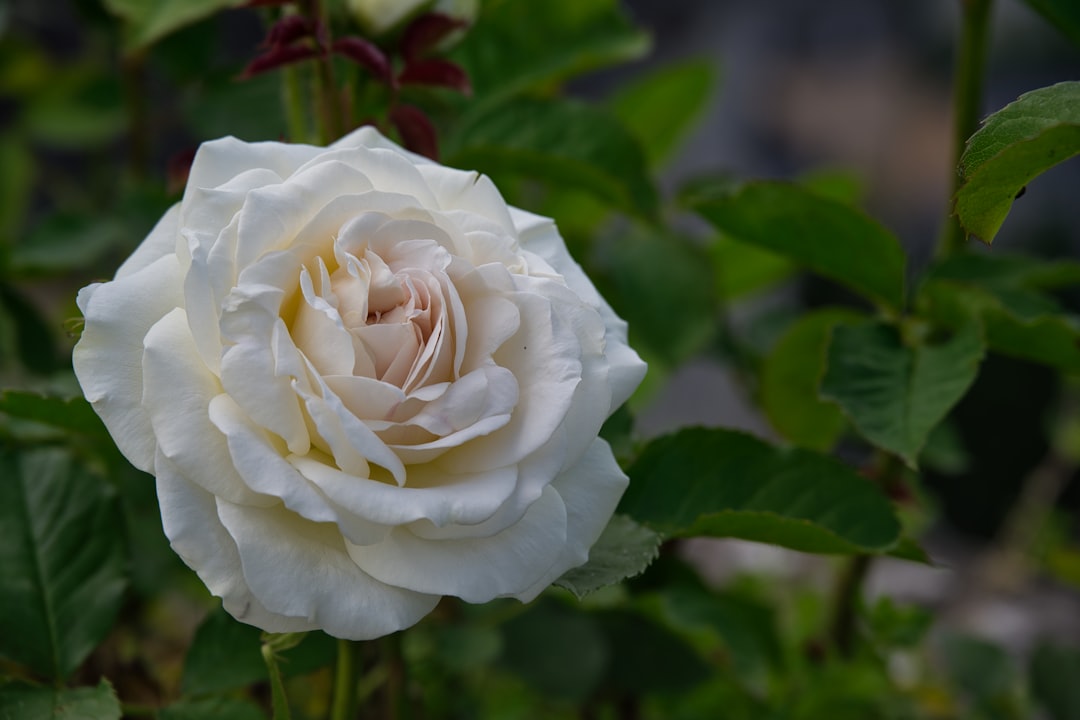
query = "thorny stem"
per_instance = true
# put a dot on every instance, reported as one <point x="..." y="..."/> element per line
<point x="966" y="102"/>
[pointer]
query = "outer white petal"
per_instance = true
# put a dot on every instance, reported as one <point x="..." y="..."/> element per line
<point x="160" y="242"/>
<point x="300" y="569"/>
<point x="189" y="517"/>
<point x="538" y="235"/>
<point x="218" y="161"/>
<point x="474" y="569"/>
<point x="591" y="490"/>
<point x="177" y="393"/>
<point x="108" y="357"/>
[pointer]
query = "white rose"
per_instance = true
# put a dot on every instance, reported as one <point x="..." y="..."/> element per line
<point x="378" y="16"/>
<point x="363" y="382"/>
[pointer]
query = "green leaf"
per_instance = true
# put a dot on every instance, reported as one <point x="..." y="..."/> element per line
<point x="224" y="655"/>
<point x="560" y="652"/>
<point x="820" y="233"/>
<point x="1062" y="14"/>
<point x="895" y="394"/>
<point x="560" y="142"/>
<point x="661" y="108"/>
<point x="1006" y="271"/>
<point x="660" y="284"/>
<point x="1019" y="329"/>
<point x="150" y="20"/>
<point x="1015" y="145"/>
<point x="515" y="47"/>
<point x="62" y="559"/>
<point x="1054" y="673"/>
<point x="790" y="378"/>
<point x="624" y="550"/>
<point x="24" y="702"/>
<point x="218" y="708"/>
<point x="727" y="484"/>
<point x="73" y="414"/>
<point x="18" y="171"/>
<point x="741" y="269"/>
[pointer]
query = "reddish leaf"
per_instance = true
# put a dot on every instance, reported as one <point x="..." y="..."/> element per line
<point x="435" y="71"/>
<point x="366" y="55"/>
<point x="425" y="32"/>
<point x="287" y="31"/>
<point x="417" y="132"/>
<point x="266" y="3"/>
<point x="277" y="58"/>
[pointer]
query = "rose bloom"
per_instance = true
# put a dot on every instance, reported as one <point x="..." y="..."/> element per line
<point x="362" y="382"/>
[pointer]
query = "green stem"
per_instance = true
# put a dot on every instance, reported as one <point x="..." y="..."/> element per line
<point x="279" y="702"/>
<point x="292" y="98"/>
<point x="845" y="612"/>
<point x="967" y="102"/>
<point x="343" y="706"/>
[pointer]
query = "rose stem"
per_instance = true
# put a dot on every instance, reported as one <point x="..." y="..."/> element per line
<point x="967" y="104"/>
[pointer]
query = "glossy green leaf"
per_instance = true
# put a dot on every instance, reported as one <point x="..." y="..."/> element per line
<point x="1062" y="14"/>
<point x="515" y="46"/>
<point x="790" y="378"/>
<point x="1054" y="673"/>
<point x="822" y="234"/>
<point x="62" y="559"/>
<point x="217" y="708"/>
<point x="624" y="550"/>
<point x="1014" y="146"/>
<point x="150" y="20"/>
<point x="664" y="106"/>
<point x="724" y="483"/>
<point x="895" y="394"/>
<point x="72" y="414"/>
<point x="24" y="702"/>
<point x="561" y="142"/>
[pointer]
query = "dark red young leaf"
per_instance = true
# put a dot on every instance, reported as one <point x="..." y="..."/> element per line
<point x="367" y="55"/>
<point x="425" y="32"/>
<point x="265" y="3"/>
<point x="287" y="30"/>
<point x="417" y="132"/>
<point x="178" y="168"/>
<point x="278" y="57"/>
<point x="436" y="71"/>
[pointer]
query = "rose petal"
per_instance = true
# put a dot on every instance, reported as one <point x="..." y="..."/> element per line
<point x="160" y="242"/>
<point x="591" y="491"/>
<point x="265" y="470"/>
<point x="177" y="391"/>
<point x="189" y="518"/>
<point x="300" y="569"/>
<point x="108" y="357"/>
<point x="474" y="569"/>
